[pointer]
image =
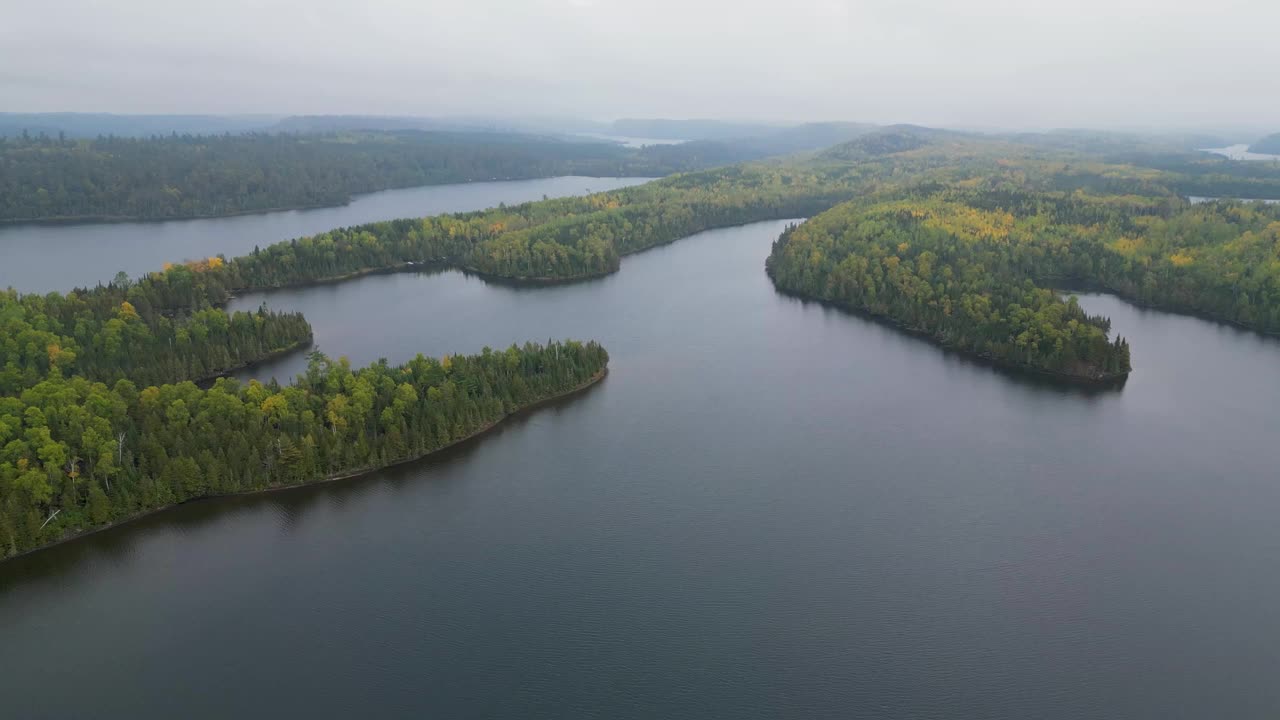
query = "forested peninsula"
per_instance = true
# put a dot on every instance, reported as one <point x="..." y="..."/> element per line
<point x="951" y="275"/>
<point x="76" y="454"/>
<point x="977" y="265"/>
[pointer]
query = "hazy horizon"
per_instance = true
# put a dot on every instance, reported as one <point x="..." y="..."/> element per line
<point x="983" y="64"/>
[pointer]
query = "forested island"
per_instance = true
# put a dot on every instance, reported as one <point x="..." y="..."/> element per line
<point x="967" y="240"/>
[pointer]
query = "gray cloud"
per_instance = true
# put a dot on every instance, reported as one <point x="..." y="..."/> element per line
<point x="990" y="62"/>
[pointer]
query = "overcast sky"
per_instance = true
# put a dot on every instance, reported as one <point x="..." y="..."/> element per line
<point x="962" y="62"/>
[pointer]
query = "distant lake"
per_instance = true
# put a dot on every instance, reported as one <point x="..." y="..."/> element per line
<point x="1197" y="199"/>
<point x="1240" y="152"/>
<point x="769" y="509"/>
<point x="44" y="258"/>
<point x="632" y="142"/>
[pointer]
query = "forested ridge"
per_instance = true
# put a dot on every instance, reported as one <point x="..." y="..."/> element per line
<point x="182" y="176"/>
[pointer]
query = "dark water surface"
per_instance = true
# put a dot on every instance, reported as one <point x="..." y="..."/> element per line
<point x="770" y="509"/>
<point x="45" y="258"/>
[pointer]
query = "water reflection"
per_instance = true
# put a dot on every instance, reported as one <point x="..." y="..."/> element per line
<point x="1023" y="377"/>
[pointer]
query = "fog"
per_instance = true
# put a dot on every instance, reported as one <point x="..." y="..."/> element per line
<point x="1006" y="63"/>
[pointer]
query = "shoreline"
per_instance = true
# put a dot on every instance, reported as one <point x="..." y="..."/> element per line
<point x="210" y="379"/>
<point x="347" y="475"/>
<point x="1105" y="381"/>
<point x="351" y="197"/>
<point x="1076" y="288"/>
<point x="445" y="265"/>
<point x="406" y="266"/>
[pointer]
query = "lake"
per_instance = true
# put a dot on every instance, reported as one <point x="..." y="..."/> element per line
<point x="45" y="258"/>
<point x="1197" y="199"/>
<point x="1240" y="152"/>
<point x="769" y="509"/>
<point x="630" y="141"/>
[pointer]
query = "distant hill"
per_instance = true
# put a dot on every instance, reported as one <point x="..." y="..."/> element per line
<point x="803" y="138"/>
<point x="395" y="123"/>
<point x="89" y="125"/>
<point x="696" y="154"/>
<point x="887" y="141"/>
<point x="1269" y="145"/>
<point x="166" y="177"/>
<point x="1107" y="141"/>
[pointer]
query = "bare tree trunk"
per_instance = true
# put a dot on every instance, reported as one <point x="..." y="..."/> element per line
<point x="51" y="516"/>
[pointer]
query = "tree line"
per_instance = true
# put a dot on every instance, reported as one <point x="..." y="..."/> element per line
<point x="181" y="176"/>
<point x="973" y="267"/>
<point x="938" y="269"/>
<point x="77" y="454"/>
<point x="163" y="328"/>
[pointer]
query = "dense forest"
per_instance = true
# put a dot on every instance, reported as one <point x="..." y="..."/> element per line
<point x="963" y="239"/>
<point x="973" y="267"/>
<point x="940" y="270"/>
<point x="51" y="178"/>
<point x="77" y="454"/>
<point x="163" y="328"/>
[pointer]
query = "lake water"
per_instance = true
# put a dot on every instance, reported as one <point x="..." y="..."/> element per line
<point x="44" y="258"/>
<point x="1240" y="152"/>
<point x="1197" y="199"/>
<point x="630" y="141"/>
<point x="769" y="509"/>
